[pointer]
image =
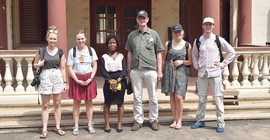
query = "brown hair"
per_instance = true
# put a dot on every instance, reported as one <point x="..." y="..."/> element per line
<point x="51" y="29"/>
<point x="80" y="32"/>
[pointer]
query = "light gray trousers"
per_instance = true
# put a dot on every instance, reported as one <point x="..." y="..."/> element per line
<point x="217" y="93"/>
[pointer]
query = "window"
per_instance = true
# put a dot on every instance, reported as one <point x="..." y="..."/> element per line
<point x="33" y="21"/>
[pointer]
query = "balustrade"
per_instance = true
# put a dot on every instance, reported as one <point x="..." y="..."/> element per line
<point x="13" y="76"/>
<point x="252" y="72"/>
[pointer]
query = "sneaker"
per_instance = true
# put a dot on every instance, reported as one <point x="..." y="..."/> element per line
<point x="198" y="125"/>
<point x="136" y="126"/>
<point x="220" y="128"/>
<point x="155" y="125"/>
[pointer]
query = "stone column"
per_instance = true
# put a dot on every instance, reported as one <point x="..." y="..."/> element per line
<point x="57" y="17"/>
<point x="211" y="8"/>
<point x="244" y="27"/>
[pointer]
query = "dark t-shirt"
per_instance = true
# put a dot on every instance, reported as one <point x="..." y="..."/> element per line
<point x="51" y="61"/>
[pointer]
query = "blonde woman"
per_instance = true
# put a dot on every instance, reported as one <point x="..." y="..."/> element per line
<point x="52" y="79"/>
<point x="82" y="68"/>
<point x="176" y="56"/>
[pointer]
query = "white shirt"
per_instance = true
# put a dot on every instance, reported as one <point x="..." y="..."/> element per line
<point x="86" y="66"/>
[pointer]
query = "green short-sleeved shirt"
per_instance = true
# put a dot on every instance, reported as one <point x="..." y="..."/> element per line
<point x="144" y="47"/>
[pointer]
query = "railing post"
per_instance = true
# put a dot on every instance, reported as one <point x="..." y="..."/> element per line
<point x="30" y="75"/>
<point x="265" y="71"/>
<point x="8" y="76"/>
<point x="226" y="74"/>
<point x="19" y="75"/>
<point x="235" y="72"/>
<point x="255" y="70"/>
<point x="1" y="88"/>
<point x="245" y="71"/>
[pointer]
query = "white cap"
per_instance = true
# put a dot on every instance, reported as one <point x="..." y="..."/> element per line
<point x="208" y="19"/>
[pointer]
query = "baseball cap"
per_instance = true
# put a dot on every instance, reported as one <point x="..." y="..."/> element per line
<point x="208" y="19"/>
<point x="142" y="13"/>
<point x="177" y="27"/>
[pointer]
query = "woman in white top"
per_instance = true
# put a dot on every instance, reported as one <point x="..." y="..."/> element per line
<point x="82" y="67"/>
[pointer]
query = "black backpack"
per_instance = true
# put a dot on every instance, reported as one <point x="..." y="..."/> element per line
<point x="198" y="43"/>
<point x="89" y="50"/>
<point x="170" y="46"/>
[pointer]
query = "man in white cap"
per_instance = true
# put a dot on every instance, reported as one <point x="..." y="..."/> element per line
<point x="207" y="59"/>
<point x="144" y="65"/>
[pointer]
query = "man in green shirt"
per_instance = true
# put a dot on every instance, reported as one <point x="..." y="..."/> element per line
<point x="144" y="64"/>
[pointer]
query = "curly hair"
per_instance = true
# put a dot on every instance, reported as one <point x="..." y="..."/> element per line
<point x="115" y="37"/>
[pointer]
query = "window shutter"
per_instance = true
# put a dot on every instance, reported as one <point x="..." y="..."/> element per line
<point x="30" y="22"/>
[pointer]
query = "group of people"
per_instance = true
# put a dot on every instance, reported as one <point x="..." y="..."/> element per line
<point x="147" y="61"/>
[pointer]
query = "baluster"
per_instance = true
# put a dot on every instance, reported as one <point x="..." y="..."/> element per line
<point x="226" y="74"/>
<point x="245" y="71"/>
<point x="235" y="72"/>
<point x="19" y="75"/>
<point x="30" y="74"/>
<point x="1" y="88"/>
<point x="8" y="76"/>
<point x="265" y="71"/>
<point x="255" y="70"/>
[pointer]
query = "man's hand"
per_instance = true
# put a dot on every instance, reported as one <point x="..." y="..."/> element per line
<point x="217" y="64"/>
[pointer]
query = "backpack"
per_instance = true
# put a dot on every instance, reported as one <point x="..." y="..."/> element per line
<point x="170" y="46"/>
<point x="198" y="43"/>
<point x="89" y="50"/>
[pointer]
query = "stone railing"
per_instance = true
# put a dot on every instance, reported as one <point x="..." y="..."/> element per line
<point x="17" y="72"/>
<point x="249" y="69"/>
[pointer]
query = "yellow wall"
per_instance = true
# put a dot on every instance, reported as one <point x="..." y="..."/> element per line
<point x="165" y="13"/>
<point x="260" y="22"/>
<point x="78" y="18"/>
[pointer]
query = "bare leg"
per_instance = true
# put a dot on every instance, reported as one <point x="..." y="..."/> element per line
<point x="45" y="113"/>
<point x="106" y="112"/>
<point x="76" y="112"/>
<point x="173" y="107"/>
<point x="57" y="109"/>
<point x="179" y="109"/>
<point x="89" y="111"/>
<point x="120" y="115"/>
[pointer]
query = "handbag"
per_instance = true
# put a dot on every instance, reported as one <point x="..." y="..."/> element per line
<point x="129" y="87"/>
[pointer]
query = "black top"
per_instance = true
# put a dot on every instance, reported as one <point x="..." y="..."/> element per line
<point x="51" y="61"/>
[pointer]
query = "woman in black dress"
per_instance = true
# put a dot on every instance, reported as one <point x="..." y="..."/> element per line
<point x="113" y="68"/>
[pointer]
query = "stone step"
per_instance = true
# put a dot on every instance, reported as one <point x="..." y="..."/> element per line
<point x="8" y="114"/>
<point x="30" y="125"/>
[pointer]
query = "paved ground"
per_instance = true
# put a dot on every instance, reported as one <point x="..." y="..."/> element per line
<point x="235" y="130"/>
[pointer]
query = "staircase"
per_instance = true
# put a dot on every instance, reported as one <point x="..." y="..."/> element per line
<point x="22" y="113"/>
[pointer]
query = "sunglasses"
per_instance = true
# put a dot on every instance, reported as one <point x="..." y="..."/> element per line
<point x="53" y="31"/>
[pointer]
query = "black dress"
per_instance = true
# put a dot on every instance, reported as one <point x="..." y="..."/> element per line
<point x="109" y="96"/>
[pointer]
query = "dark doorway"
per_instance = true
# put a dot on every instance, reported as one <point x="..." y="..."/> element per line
<point x="117" y="16"/>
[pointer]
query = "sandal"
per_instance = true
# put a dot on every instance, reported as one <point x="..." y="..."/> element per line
<point x="173" y="124"/>
<point x="44" y="134"/>
<point x="178" y="125"/>
<point x="60" y="132"/>
<point x="91" y="129"/>
<point x="75" y="131"/>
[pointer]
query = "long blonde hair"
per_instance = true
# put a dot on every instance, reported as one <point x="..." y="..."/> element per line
<point x="51" y="29"/>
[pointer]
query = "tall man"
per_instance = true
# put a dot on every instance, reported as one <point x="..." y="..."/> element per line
<point x="144" y="64"/>
<point x="207" y="60"/>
